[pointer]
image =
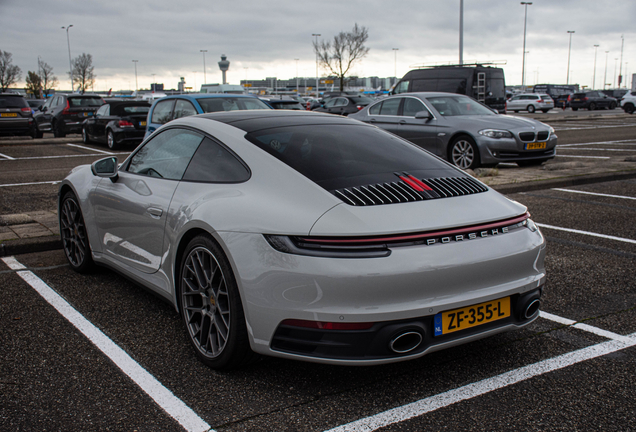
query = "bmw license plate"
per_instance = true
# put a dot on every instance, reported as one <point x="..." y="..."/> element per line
<point x="8" y="115"/>
<point x="536" y="146"/>
<point x="471" y="316"/>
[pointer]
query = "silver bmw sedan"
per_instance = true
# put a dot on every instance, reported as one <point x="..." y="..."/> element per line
<point x="306" y="236"/>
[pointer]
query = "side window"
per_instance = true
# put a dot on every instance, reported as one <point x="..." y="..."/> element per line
<point x="183" y="108"/>
<point x="103" y="111"/>
<point x="375" y="109"/>
<point x="58" y="101"/>
<point x="212" y="163"/>
<point x="342" y="102"/>
<point x="163" y="112"/>
<point x="330" y="103"/>
<point x="167" y="155"/>
<point x="402" y="87"/>
<point x="412" y="106"/>
<point x="390" y="107"/>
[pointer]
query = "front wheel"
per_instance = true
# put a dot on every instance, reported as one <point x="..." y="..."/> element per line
<point x="58" y="130"/>
<point x="74" y="236"/>
<point x="464" y="153"/>
<point x="211" y="306"/>
<point x="575" y="109"/>
<point x="535" y="162"/>
<point x="85" y="137"/>
<point x="612" y="105"/>
<point x="629" y="109"/>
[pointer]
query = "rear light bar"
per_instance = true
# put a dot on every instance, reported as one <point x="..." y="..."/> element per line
<point x="65" y="111"/>
<point x="26" y="110"/>
<point x="320" y="325"/>
<point x="125" y="124"/>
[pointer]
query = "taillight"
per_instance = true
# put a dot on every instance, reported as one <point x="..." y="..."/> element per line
<point x="125" y="123"/>
<point x="585" y="98"/>
<point x="65" y="111"/>
<point x="359" y="107"/>
<point x="26" y="110"/>
<point x="540" y="101"/>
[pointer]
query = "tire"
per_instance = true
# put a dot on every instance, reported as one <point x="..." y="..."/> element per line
<point x="612" y="105"/>
<point x="516" y="111"/>
<point x="73" y="233"/>
<point x="591" y="106"/>
<point x="545" y="111"/>
<point x="58" y="131"/>
<point x="463" y="153"/>
<point x="85" y="137"/>
<point x="575" y="109"/>
<point x="530" y="109"/>
<point x="110" y="141"/>
<point x="37" y="133"/>
<point x="535" y="162"/>
<point x="210" y="306"/>
<point x="629" y="109"/>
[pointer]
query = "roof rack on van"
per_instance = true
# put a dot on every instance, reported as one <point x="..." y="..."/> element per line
<point x="474" y="64"/>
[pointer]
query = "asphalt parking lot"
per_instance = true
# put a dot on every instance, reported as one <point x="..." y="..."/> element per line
<point x="98" y="352"/>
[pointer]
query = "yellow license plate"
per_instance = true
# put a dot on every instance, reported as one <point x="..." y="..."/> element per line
<point x="471" y="316"/>
<point x="536" y="146"/>
<point x="8" y="115"/>
<point x="143" y="123"/>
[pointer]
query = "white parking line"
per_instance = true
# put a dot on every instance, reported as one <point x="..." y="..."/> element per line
<point x="625" y="240"/>
<point x="602" y="149"/>
<point x="61" y="156"/>
<point x="594" y="193"/>
<point x="31" y="184"/>
<point x="616" y="142"/>
<point x="470" y="391"/>
<point x="89" y="148"/>
<point x="5" y="156"/>
<point x="148" y="383"/>
<point x="584" y="157"/>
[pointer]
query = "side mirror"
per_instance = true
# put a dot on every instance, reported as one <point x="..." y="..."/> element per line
<point x="43" y="109"/>
<point x="423" y="115"/>
<point x="106" y="167"/>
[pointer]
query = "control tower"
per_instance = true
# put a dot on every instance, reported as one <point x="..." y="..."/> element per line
<point x="224" y="65"/>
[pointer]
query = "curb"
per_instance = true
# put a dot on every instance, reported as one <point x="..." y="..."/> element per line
<point x="31" y="245"/>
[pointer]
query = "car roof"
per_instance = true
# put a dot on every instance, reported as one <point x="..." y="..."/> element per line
<point x="193" y="96"/>
<point x="253" y="120"/>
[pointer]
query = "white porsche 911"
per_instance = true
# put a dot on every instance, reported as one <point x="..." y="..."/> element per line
<point x="306" y="236"/>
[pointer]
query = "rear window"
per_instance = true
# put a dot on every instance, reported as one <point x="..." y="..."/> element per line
<point x="230" y="104"/>
<point x="128" y="110"/>
<point x="85" y="101"/>
<point x="340" y="156"/>
<point x="13" y="102"/>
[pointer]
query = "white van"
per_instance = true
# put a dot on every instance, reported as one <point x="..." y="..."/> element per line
<point x="223" y="88"/>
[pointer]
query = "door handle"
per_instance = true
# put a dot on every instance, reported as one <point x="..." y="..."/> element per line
<point x="402" y="121"/>
<point x="372" y="120"/>
<point x="155" y="212"/>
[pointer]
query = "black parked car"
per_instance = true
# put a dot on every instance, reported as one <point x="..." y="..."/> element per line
<point x="117" y="122"/>
<point x="592" y="100"/>
<point x="15" y="115"/>
<point x="344" y="105"/>
<point x="63" y="114"/>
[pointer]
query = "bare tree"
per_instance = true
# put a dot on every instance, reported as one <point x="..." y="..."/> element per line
<point x="83" y="74"/>
<point x="33" y="84"/>
<point x="48" y="79"/>
<point x="9" y="73"/>
<point x="346" y="50"/>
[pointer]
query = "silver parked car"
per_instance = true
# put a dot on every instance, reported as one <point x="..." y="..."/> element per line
<point x="461" y="130"/>
<point x="530" y="102"/>
<point x="306" y="236"/>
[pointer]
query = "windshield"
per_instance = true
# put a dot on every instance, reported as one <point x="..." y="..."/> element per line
<point x="458" y="106"/>
<point x="230" y="104"/>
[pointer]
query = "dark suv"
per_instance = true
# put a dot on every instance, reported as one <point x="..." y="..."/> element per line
<point x="63" y="114"/>
<point x="15" y="115"/>
<point x="592" y="100"/>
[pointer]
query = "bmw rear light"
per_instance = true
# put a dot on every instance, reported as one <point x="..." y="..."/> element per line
<point x="66" y="111"/>
<point x="125" y="124"/>
<point x="359" y="107"/>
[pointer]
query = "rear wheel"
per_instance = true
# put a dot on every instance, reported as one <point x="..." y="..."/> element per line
<point x="545" y="110"/>
<point x="211" y="307"/>
<point x="592" y="106"/>
<point x="110" y="140"/>
<point x="629" y="109"/>
<point x="74" y="236"/>
<point x="58" y="130"/>
<point x="612" y="105"/>
<point x="575" y="109"/>
<point x="530" y="109"/>
<point x="37" y="133"/>
<point x="463" y="153"/>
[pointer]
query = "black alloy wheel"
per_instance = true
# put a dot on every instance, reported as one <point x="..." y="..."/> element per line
<point x="211" y="307"/>
<point x="629" y="109"/>
<point x="463" y="153"/>
<point x="74" y="237"/>
<point x="592" y="106"/>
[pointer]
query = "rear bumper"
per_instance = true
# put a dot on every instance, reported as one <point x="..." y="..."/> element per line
<point x="16" y="126"/>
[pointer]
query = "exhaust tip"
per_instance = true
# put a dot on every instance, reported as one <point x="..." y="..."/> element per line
<point x="532" y="308"/>
<point x="406" y="342"/>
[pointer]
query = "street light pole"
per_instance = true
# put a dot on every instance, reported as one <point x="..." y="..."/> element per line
<point x="68" y="41"/>
<point x="296" y="76"/>
<point x="136" y="85"/>
<point x="594" y="79"/>
<point x="523" y="63"/>
<point x="524" y="74"/>
<point x="605" y="77"/>
<point x="205" y="81"/>
<point x="615" y="63"/>
<point x="461" y="32"/>
<point x="395" y="63"/>
<point x="316" y="36"/>
<point x="567" y="80"/>
<point x="620" y="69"/>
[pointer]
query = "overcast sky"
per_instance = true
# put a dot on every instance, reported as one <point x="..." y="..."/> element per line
<point x="262" y="39"/>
